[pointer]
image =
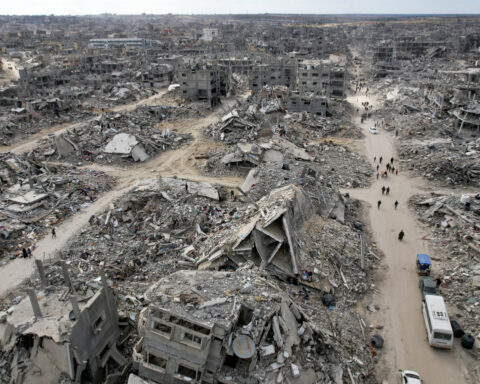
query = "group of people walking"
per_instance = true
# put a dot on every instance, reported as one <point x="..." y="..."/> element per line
<point x="389" y="167"/>
<point x="386" y="190"/>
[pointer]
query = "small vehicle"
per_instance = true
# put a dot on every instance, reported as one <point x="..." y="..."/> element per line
<point x="373" y="130"/>
<point x="437" y="322"/>
<point x="423" y="264"/>
<point x="427" y="286"/>
<point x="410" y="377"/>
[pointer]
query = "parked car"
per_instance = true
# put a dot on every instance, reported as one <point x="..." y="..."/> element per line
<point x="427" y="286"/>
<point x="373" y="130"/>
<point x="410" y="377"/>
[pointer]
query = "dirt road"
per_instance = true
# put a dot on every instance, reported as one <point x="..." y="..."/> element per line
<point x="406" y="346"/>
<point x="181" y="163"/>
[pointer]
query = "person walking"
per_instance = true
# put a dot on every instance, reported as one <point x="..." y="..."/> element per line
<point x="379" y="202"/>
<point x="378" y="166"/>
<point x="374" y="159"/>
<point x="387" y="191"/>
<point x="378" y="174"/>
<point x="29" y="252"/>
<point x="393" y="169"/>
<point x="54" y="234"/>
<point x="383" y="190"/>
<point x="401" y="235"/>
<point x="438" y="281"/>
<point x="396" y="172"/>
<point x="396" y="204"/>
<point x="391" y="160"/>
<point x="380" y="160"/>
<point x="24" y="253"/>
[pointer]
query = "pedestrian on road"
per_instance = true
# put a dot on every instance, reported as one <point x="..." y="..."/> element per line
<point x="29" y="252"/>
<point x="380" y="160"/>
<point x="383" y="190"/>
<point x="393" y="169"/>
<point x="387" y="192"/>
<point x="378" y="175"/>
<point x="391" y="160"/>
<point x="24" y="253"/>
<point x="401" y="235"/>
<point x="396" y="172"/>
<point x="378" y="166"/>
<point x="438" y="281"/>
<point x="388" y="167"/>
<point x="54" y="234"/>
<point x="379" y="202"/>
<point x="396" y="132"/>
<point x="374" y="159"/>
<point x="396" y="204"/>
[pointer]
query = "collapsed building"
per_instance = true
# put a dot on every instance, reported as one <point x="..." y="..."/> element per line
<point x="53" y="340"/>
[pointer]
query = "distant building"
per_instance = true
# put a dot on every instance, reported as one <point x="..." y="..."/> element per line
<point x="120" y="43"/>
<point x="282" y="73"/>
<point x="209" y="34"/>
<point x="322" y="77"/>
<point x="204" y="83"/>
<point x="297" y="102"/>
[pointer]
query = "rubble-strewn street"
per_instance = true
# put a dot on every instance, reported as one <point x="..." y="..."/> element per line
<point x="239" y="199"/>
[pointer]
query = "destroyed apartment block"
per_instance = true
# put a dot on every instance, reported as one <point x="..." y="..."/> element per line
<point x="57" y="334"/>
<point x="204" y="83"/>
<point x="268" y="238"/>
<point x="283" y="73"/>
<point x="322" y="77"/>
<point x="222" y="327"/>
<point x="316" y="105"/>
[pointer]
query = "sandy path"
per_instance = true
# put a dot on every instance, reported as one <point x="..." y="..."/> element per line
<point x="180" y="163"/>
<point x="16" y="271"/>
<point x="406" y="346"/>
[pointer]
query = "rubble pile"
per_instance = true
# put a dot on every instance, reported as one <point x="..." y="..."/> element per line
<point x="454" y="221"/>
<point x="37" y="196"/>
<point x="149" y="232"/>
<point x="53" y="335"/>
<point x="117" y="137"/>
<point x="18" y="123"/>
<point x="237" y="125"/>
<point x="249" y="121"/>
<point x="287" y="339"/>
<point x="448" y="160"/>
<point x="276" y="162"/>
<point x="283" y="267"/>
<point x="434" y="119"/>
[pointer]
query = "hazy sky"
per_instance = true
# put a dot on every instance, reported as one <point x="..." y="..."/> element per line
<point x="76" y="7"/>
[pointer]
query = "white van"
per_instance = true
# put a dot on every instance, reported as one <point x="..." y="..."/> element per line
<point x="438" y="326"/>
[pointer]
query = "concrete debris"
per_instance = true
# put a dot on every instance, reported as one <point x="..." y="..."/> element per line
<point x="454" y="231"/>
<point x="37" y="196"/>
<point x="52" y="338"/>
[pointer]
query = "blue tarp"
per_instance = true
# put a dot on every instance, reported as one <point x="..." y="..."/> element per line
<point x="424" y="259"/>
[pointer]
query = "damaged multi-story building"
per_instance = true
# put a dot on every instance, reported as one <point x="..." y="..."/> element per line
<point x="322" y="77"/>
<point x="56" y="334"/>
<point x="282" y="73"/>
<point x="204" y="83"/>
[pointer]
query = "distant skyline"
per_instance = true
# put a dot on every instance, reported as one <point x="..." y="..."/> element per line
<point x="89" y="7"/>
